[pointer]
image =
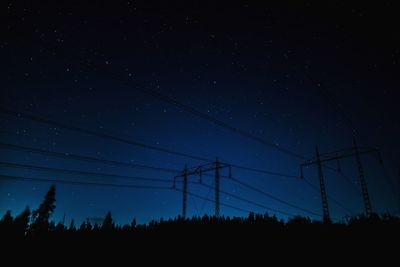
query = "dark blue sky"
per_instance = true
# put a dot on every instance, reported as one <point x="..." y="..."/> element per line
<point x="277" y="72"/>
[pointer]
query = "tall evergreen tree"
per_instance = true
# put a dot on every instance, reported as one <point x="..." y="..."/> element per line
<point x="133" y="224"/>
<point x="21" y="222"/>
<point x="82" y="228"/>
<point x="7" y="220"/>
<point x="40" y="217"/>
<point x="60" y="227"/>
<point x="72" y="226"/>
<point x="108" y="223"/>
<point x="6" y="224"/>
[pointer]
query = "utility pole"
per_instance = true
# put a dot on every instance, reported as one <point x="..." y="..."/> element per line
<point x="336" y="156"/>
<point x="184" y="193"/>
<point x="324" y="198"/>
<point x="217" y="183"/>
<point x="200" y="170"/>
<point x="364" y="189"/>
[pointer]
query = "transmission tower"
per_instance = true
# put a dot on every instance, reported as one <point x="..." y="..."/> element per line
<point x="217" y="183"/>
<point x="199" y="171"/>
<point x="324" y="198"/>
<point x="363" y="183"/>
<point x="355" y="151"/>
<point x="184" y="191"/>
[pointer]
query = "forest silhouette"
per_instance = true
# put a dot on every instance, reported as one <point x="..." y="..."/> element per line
<point x="28" y="229"/>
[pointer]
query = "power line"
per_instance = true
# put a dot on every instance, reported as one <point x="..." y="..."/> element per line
<point x="35" y="118"/>
<point x="169" y="100"/>
<point x="130" y="142"/>
<point x="340" y="172"/>
<point x="96" y="174"/>
<point x="275" y="198"/>
<point x="325" y="93"/>
<point x="195" y="205"/>
<point x="100" y="135"/>
<point x="391" y="184"/>
<point x="66" y="171"/>
<point x="265" y="171"/>
<point x="331" y="100"/>
<point x="249" y="201"/>
<point x="62" y="181"/>
<point x="312" y="186"/>
<point x="348" y="180"/>
<point x="213" y="201"/>
<point x="354" y="152"/>
<point x="203" y="204"/>
<point x="207" y="117"/>
<point x="70" y="156"/>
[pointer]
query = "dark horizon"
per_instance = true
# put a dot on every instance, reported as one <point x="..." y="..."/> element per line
<point x="111" y="102"/>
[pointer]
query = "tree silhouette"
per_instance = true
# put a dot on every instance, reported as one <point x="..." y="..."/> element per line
<point x="40" y="217"/>
<point x="108" y="223"/>
<point x="133" y="223"/>
<point x="60" y="227"/>
<point x="96" y="227"/>
<point x="6" y="221"/>
<point x="7" y="218"/>
<point x="6" y="224"/>
<point x="72" y="226"/>
<point x="207" y="226"/>
<point x="21" y="222"/>
<point x="82" y="228"/>
<point x="89" y="226"/>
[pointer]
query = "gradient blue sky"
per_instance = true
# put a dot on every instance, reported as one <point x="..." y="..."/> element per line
<point x="258" y="68"/>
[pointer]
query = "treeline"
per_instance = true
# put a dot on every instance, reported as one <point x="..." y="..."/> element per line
<point x="37" y="224"/>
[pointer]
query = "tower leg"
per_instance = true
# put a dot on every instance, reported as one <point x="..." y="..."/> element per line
<point x="184" y="192"/>
<point x="364" y="189"/>
<point x="324" y="198"/>
<point x="217" y="184"/>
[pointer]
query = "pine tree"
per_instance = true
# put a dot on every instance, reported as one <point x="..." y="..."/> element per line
<point x="40" y="217"/>
<point x="6" y="221"/>
<point x="133" y="224"/>
<point x="89" y="226"/>
<point x="6" y="225"/>
<point x="7" y="218"/>
<point x="60" y="227"/>
<point x="21" y="222"/>
<point x="108" y="223"/>
<point x="96" y="227"/>
<point x="72" y="226"/>
<point x="82" y="228"/>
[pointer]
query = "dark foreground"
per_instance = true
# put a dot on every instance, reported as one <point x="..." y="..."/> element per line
<point x="257" y="236"/>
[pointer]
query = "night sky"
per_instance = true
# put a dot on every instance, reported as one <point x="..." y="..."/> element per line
<point x="292" y="77"/>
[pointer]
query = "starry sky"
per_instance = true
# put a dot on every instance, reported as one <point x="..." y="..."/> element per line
<point x="292" y="77"/>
